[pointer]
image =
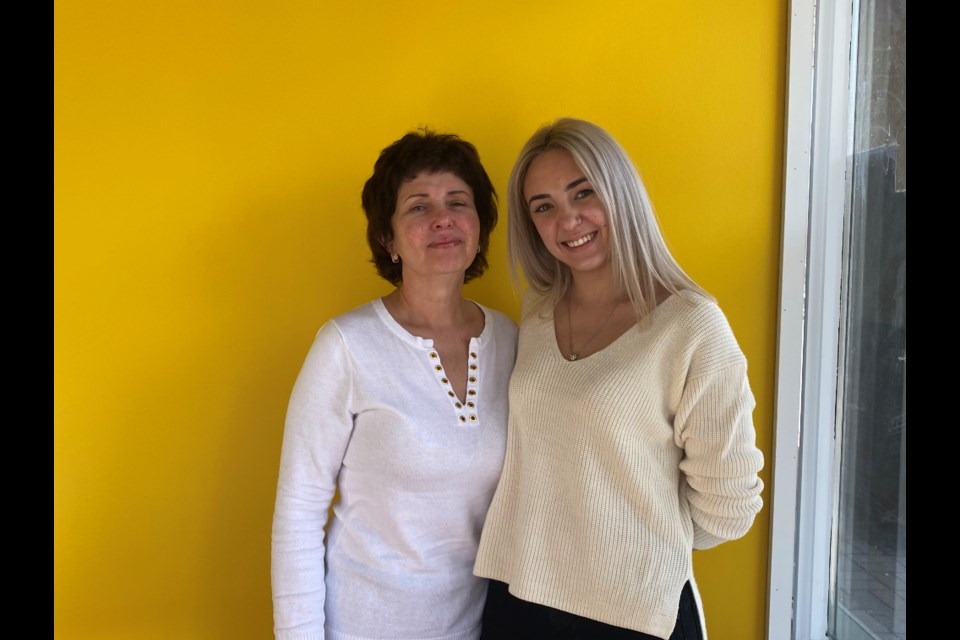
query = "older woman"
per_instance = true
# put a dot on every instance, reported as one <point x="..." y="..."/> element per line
<point x="631" y="441"/>
<point x="401" y="405"/>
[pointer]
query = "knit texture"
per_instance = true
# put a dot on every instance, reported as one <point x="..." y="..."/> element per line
<point x="619" y="464"/>
<point x="372" y="414"/>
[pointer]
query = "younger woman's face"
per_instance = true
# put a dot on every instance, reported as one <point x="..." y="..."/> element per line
<point x="567" y="212"/>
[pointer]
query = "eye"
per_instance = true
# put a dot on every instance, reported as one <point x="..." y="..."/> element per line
<point x="418" y="207"/>
<point x="542" y="208"/>
<point x="583" y="193"/>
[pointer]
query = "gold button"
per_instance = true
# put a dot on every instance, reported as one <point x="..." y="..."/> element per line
<point x="462" y="419"/>
<point x="438" y="368"/>
<point x="473" y="354"/>
<point x="433" y="354"/>
<point x="471" y="392"/>
<point x="473" y="418"/>
<point x="444" y="381"/>
<point x="472" y="379"/>
<point x="473" y="367"/>
<point x="458" y="405"/>
<point x="451" y="393"/>
<point x="471" y="405"/>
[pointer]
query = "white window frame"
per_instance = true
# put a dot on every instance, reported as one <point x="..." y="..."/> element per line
<point x="817" y="135"/>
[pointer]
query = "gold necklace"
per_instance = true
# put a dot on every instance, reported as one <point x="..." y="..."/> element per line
<point x="573" y="354"/>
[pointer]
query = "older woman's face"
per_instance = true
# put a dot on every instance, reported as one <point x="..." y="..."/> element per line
<point x="436" y="229"/>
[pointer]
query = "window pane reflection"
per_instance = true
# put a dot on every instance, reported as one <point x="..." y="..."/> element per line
<point x="870" y="563"/>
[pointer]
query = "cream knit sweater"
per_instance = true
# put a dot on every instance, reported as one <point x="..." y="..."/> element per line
<point x="619" y="464"/>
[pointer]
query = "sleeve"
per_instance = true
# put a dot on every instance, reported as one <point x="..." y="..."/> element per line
<point x="316" y="433"/>
<point x="714" y="427"/>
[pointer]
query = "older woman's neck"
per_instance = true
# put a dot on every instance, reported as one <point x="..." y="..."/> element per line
<point x="429" y="305"/>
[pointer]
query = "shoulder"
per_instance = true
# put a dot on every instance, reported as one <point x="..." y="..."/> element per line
<point x="352" y="327"/>
<point x="703" y="328"/>
<point x="535" y="304"/>
<point x="692" y="311"/>
<point x="359" y="320"/>
<point x="501" y="323"/>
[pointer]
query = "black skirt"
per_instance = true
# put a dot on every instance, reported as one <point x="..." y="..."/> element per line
<point x="506" y="617"/>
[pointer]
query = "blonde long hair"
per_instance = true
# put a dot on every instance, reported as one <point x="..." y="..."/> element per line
<point x="638" y="251"/>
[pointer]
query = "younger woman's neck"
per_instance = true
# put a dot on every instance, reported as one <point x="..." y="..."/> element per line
<point x="586" y="291"/>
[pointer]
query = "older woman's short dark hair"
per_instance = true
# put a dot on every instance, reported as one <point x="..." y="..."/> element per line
<point x="415" y="153"/>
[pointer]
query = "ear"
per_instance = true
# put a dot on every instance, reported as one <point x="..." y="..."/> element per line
<point x="388" y="245"/>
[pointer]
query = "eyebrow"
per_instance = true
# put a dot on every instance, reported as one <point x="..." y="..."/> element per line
<point x="541" y="196"/>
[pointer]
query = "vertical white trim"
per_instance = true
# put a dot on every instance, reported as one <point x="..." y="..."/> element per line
<point x="810" y="286"/>
<point x="790" y="339"/>
<point x="828" y="197"/>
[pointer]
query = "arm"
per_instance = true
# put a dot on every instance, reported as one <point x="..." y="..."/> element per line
<point x="714" y="427"/>
<point x="315" y="436"/>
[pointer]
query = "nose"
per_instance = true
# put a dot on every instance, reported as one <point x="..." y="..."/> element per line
<point x="569" y="217"/>
<point x="442" y="219"/>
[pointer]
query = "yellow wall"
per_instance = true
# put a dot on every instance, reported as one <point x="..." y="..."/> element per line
<point x="209" y="157"/>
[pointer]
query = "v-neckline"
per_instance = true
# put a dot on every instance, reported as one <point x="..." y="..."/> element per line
<point x="465" y="410"/>
<point x="558" y="352"/>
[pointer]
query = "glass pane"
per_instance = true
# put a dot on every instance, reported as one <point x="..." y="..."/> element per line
<point x="869" y="598"/>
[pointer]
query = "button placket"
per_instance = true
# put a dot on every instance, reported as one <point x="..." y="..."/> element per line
<point x="473" y="367"/>
<point x="466" y="411"/>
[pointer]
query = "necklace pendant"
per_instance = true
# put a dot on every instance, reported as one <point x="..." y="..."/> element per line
<point x="572" y="357"/>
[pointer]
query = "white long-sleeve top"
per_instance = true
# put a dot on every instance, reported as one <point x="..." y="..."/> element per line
<point x="372" y="414"/>
<point x="621" y="463"/>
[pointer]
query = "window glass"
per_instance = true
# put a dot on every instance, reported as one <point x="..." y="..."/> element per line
<point x="869" y="595"/>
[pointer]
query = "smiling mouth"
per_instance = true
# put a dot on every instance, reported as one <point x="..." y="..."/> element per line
<point x="579" y="242"/>
<point x="443" y="244"/>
